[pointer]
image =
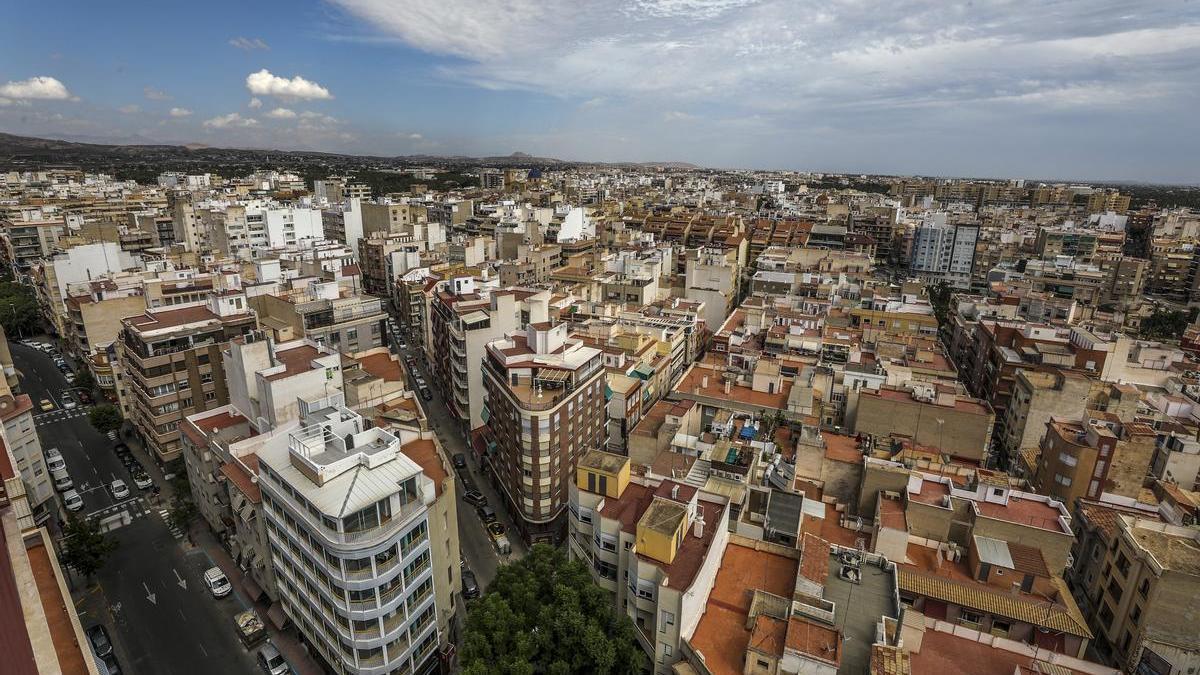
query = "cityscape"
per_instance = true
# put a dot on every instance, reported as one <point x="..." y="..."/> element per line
<point x="549" y="372"/>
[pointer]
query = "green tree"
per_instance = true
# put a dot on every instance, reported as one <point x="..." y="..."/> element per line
<point x="105" y="418"/>
<point x="1166" y="324"/>
<point x="84" y="380"/>
<point x="84" y="547"/>
<point x="19" y="312"/>
<point x="544" y="614"/>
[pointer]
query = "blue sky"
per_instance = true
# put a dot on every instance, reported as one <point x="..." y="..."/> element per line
<point x="1074" y="89"/>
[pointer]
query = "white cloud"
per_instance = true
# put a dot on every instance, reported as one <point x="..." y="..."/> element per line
<point x="255" y="103"/>
<point x="232" y="120"/>
<point x="130" y="109"/>
<point x="41" y="88"/>
<point x="677" y="116"/>
<point x="156" y="94"/>
<point x="180" y="112"/>
<point x="282" y="114"/>
<point x="249" y="44"/>
<point x="4" y="102"/>
<point x="263" y="83"/>
<point x="415" y="137"/>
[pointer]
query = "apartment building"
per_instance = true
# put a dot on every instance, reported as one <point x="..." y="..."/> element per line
<point x="321" y="310"/>
<point x="546" y="408"/>
<point x="348" y="520"/>
<point x="712" y="275"/>
<point x="170" y="362"/>
<point x="94" y="310"/>
<point x="26" y="241"/>
<point x="1102" y="453"/>
<point x="1150" y="577"/>
<point x="463" y="318"/>
<point x="24" y="448"/>
<point x="944" y="252"/>
<point x="54" y="274"/>
<point x="242" y="231"/>
<point x="928" y="415"/>
<point x="1036" y="397"/>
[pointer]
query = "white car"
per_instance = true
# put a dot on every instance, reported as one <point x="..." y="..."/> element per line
<point x="55" y="463"/>
<point x="119" y="489"/>
<point x="142" y="481"/>
<point x="62" y="480"/>
<point x="217" y="583"/>
<point x="70" y="404"/>
<point x="72" y="500"/>
<point x="70" y="377"/>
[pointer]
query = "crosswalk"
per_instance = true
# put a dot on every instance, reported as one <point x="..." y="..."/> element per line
<point x="166" y="516"/>
<point x="55" y="416"/>
<point x="125" y="513"/>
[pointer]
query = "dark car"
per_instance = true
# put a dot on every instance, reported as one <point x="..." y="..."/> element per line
<point x="487" y="513"/>
<point x="110" y="662"/>
<point x="470" y="587"/>
<point x="475" y="497"/>
<point x="469" y="484"/>
<point x="426" y="394"/>
<point x="85" y="397"/>
<point x="101" y="645"/>
<point x="460" y="460"/>
<point x="121" y="449"/>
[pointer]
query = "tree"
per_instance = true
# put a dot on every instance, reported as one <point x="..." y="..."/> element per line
<point x="84" y="547"/>
<point x="105" y="418"/>
<point x="1166" y="325"/>
<point x="544" y="614"/>
<point x="19" y="312"/>
<point x="182" y="512"/>
<point x="84" y="380"/>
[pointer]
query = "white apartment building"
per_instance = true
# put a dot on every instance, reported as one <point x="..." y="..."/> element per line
<point x="347" y="516"/>
<point x="21" y="439"/>
<point x="944" y="252"/>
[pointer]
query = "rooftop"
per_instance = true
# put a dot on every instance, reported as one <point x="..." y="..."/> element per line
<point x="604" y="462"/>
<point x="722" y="635"/>
<point x="425" y="453"/>
<point x="295" y="360"/>
<point x="858" y="609"/>
<point x="1031" y="512"/>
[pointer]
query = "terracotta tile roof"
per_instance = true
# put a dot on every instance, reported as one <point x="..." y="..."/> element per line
<point x="1061" y="617"/>
<point x="242" y="480"/>
<point x="814" y="559"/>
<point x="629" y="508"/>
<point x="382" y="366"/>
<point x="887" y="660"/>
<point x="769" y="635"/>
<point x="814" y="640"/>
<point x="1028" y="559"/>
<point x="947" y="653"/>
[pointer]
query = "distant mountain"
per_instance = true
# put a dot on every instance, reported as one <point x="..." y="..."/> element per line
<point x="91" y="149"/>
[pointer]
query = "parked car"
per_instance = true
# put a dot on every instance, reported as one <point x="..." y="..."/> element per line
<point x="499" y="538"/>
<point x="98" y="636"/>
<point x="55" y="463"/>
<point x="460" y="460"/>
<point x="72" y="501"/>
<point x="271" y="661"/>
<point x="470" y="587"/>
<point x="426" y="394"/>
<point x="62" y="480"/>
<point x="486" y="513"/>
<point x="121" y="449"/>
<point x="217" y="582"/>
<point x="110" y="662"/>
<point x="142" y="480"/>
<point x="119" y="489"/>
<point x="46" y="405"/>
<point x="69" y="404"/>
<point x="70" y="378"/>
<point x="475" y="497"/>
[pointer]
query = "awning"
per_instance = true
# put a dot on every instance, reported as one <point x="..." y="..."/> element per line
<point x="551" y="375"/>
<point x="254" y="592"/>
<point x="276" y="615"/>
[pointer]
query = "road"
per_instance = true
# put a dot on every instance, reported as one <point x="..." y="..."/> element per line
<point x="151" y="594"/>
<point x="473" y="540"/>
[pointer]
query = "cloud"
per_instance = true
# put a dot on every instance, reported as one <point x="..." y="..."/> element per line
<point x="282" y="114"/>
<point x="180" y="112"/>
<point x="414" y="137"/>
<point x="232" y="120"/>
<point x="677" y="116"/>
<point x="155" y="94"/>
<point x="249" y="44"/>
<point x="254" y="103"/>
<point x="41" y="88"/>
<point x="263" y="83"/>
<point x="130" y="109"/>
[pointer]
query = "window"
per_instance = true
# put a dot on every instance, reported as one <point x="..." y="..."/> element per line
<point x="667" y="619"/>
<point x="966" y="616"/>
<point x="1135" y="615"/>
<point x="1144" y="588"/>
<point x="1123" y="564"/>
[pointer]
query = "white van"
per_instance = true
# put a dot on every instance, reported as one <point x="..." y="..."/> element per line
<point x="62" y="480"/>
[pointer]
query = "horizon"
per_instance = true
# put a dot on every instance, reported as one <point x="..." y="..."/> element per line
<point x="1097" y="92"/>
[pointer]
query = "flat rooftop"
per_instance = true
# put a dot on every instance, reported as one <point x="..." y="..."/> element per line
<point x="859" y="607"/>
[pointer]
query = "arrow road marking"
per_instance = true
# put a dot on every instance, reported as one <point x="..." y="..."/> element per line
<point x="150" y="596"/>
<point x="182" y="583"/>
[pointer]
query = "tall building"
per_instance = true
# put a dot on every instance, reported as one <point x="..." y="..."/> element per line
<point x="546" y="407"/>
<point x="170" y="361"/>
<point x="19" y="435"/>
<point x="944" y="252"/>
<point x="321" y="310"/>
<point x="348" y="518"/>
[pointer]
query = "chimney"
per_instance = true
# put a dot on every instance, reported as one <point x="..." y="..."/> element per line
<point x="675" y="492"/>
<point x="698" y="528"/>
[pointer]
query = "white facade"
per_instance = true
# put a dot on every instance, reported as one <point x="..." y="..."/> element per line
<point x="942" y="252"/>
<point x="347" y="519"/>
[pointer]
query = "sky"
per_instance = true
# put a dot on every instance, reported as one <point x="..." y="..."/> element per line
<point x="1088" y="89"/>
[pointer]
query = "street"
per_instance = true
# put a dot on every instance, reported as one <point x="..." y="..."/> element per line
<point x="150" y="596"/>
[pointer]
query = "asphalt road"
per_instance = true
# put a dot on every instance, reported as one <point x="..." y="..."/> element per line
<point x="151" y="592"/>
<point x="473" y="540"/>
<point x="88" y="454"/>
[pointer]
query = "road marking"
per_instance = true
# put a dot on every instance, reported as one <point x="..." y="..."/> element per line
<point x="202" y="650"/>
<point x="182" y="583"/>
<point x="150" y="596"/>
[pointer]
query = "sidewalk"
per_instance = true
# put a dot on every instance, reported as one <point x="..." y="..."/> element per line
<point x="286" y="640"/>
